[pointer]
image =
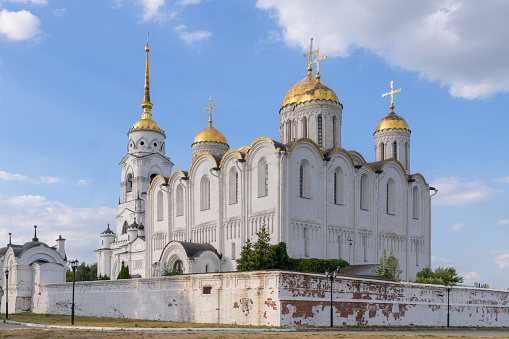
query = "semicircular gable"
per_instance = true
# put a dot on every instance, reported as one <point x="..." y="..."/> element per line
<point x="278" y="146"/>
<point x="40" y="253"/>
<point x="309" y="145"/>
<point x="175" y="174"/>
<point x="157" y="177"/>
<point x="417" y="176"/>
<point x="357" y="157"/>
<point x="257" y="146"/>
<point x="341" y="152"/>
<point x="307" y="140"/>
<point x="229" y="155"/>
<point x="198" y="159"/>
<point x="397" y="164"/>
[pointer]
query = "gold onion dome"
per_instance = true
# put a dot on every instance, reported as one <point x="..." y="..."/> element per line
<point x="319" y="91"/>
<point x="210" y="134"/>
<point x="146" y="122"/>
<point x="294" y="93"/>
<point x="392" y="121"/>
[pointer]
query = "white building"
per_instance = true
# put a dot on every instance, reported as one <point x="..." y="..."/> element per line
<point x="321" y="200"/>
<point x="29" y="265"/>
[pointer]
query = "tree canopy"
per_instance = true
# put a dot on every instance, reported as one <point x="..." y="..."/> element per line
<point x="439" y="276"/>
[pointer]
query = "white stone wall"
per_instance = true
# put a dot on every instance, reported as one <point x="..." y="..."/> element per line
<point x="277" y="298"/>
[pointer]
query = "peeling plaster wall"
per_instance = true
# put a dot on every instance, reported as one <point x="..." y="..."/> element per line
<point x="241" y="298"/>
<point x="276" y="298"/>
<point x="305" y="300"/>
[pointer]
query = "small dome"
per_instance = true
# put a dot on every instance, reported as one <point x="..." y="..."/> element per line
<point x="294" y="93"/>
<point x="210" y="134"/>
<point x="146" y="124"/>
<point x="319" y="91"/>
<point x="392" y="121"/>
<point x="108" y="231"/>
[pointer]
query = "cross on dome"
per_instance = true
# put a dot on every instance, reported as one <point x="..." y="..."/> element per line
<point x="310" y="54"/>
<point x="317" y="62"/>
<point x="210" y="109"/>
<point x="392" y="95"/>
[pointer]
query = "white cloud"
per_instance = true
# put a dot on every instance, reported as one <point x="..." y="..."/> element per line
<point x="20" y="25"/>
<point x="438" y="260"/>
<point x="501" y="258"/>
<point x="84" y="182"/>
<point x="33" y="2"/>
<point x="50" y="180"/>
<point x="505" y="180"/>
<point x="503" y="222"/>
<point x="151" y="9"/>
<point x="455" y="191"/>
<point x="190" y="37"/>
<point x="189" y="2"/>
<point x="469" y="275"/>
<point x="463" y="44"/>
<point x="14" y="177"/>
<point x="80" y="226"/>
<point x="456" y="227"/>
<point x="59" y="12"/>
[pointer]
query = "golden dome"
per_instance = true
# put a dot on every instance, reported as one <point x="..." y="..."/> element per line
<point x="294" y="93"/>
<point x="392" y="121"/>
<point x="210" y="134"/>
<point x="147" y="124"/>
<point x="318" y="91"/>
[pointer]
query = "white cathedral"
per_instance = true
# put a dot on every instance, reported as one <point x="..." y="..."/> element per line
<point x="320" y="199"/>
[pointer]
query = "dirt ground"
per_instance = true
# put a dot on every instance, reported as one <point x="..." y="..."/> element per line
<point x="40" y="334"/>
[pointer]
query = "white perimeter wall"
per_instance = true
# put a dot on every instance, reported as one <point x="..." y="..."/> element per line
<point x="277" y="298"/>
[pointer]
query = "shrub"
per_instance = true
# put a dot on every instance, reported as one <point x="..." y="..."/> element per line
<point x="440" y="276"/>
<point x="388" y="267"/>
<point x="124" y="272"/>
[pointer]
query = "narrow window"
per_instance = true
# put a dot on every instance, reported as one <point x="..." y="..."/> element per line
<point x="364" y="190"/>
<point x="335" y="188"/>
<point x="304" y="127"/>
<point x="124" y="227"/>
<point x="339" y="247"/>
<point x="304" y="180"/>
<point x="306" y="246"/>
<point x="289" y="131"/>
<point x="382" y="151"/>
<point x="333" y="132"/>
<point x="234" y="186"/>
<point x="301" y="180"/>
<point x="262" y="176"/>
<point x="129" y="185"/>
<point x="160" y="206"/>
<point x="320" y="135"/>
<point x="394" y="150"/>
<point x="233" y="251"/>
<point x="407" y="156"/>
<point x="207" y="270"/>
<point x="390" y="197"/>
<point x="365" y="243"/>
<point x="180" y="201"/>
<point x="338" y="186"/>
<point x="415" y="202"/>
<point x="204" y="193"/>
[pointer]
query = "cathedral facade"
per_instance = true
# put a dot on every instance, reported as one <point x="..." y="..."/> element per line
<point x="320" y="199"/>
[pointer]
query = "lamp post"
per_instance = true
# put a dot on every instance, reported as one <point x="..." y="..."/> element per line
<point x="74" y="265"/>
<point x="331" y="277"/>
<point x="349" y="239"/>
<point x="7" y="293"/>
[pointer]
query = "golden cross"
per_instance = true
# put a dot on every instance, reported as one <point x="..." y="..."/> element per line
<point x="317" y="61"/>
<point x="311" y="52"/>
<point x="392" y="94"/>
<point x="147" y="38"/>
<point x="210" y="109"/>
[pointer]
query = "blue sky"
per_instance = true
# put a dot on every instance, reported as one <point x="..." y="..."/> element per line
<point x="71" y="84"/>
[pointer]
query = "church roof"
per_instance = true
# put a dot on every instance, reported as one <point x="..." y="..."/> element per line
<point x="20" y="249"/>
<point x="194" y="250"/>
<point x="392" y="121"/>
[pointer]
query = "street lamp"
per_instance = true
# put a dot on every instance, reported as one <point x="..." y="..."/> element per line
<point x="331" y="277"/>
<point x="6" y="293"/>
<point x="449" y="287"/>
<point x="349" y="239"/>
<point x="74" y="265"/>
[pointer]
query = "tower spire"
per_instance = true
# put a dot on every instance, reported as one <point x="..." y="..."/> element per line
<point x="146" y="104"/>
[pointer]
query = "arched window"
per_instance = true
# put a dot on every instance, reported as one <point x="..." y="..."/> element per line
<point x="178" y="266"/>
<point x="365" y="244"/>
<point x="333" y="132"/>
<point x="364" y="192"/>
<point x="234" y="186"/>
<point x="180" y="201"/>
<point x="289" y="130"/>
<point x="306" y="240"/>
<point x="338" y="186"/>
<point x="394" y="150"/>
<point x="304" y="127"/>
<point x="263" y="178"/>
<point x="152" y="177"/>
<point x="407" y="156"/>
<point x="160" y="215"/>
<point x="233" y="251"/>
<point x="125" y="227"/>
<point x="390" y="196"/>
<point x="204" y="193"/>
<point x="304" y="180"/>
<point x="320" y="131"/>
<point x="382" y="151"/>
<point x="129" y="181"/>
<point x="415" y="202"/>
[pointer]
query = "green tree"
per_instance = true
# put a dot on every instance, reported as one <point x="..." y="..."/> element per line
<point x="246" y="261"/>
<point x="124" y="272"/>
<point x="84" y="272"/>
<point x="262" y="257"/>
<point x="439" y="276"/>
<point x="280" y="258"/>
<point x="388" y="267"/>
